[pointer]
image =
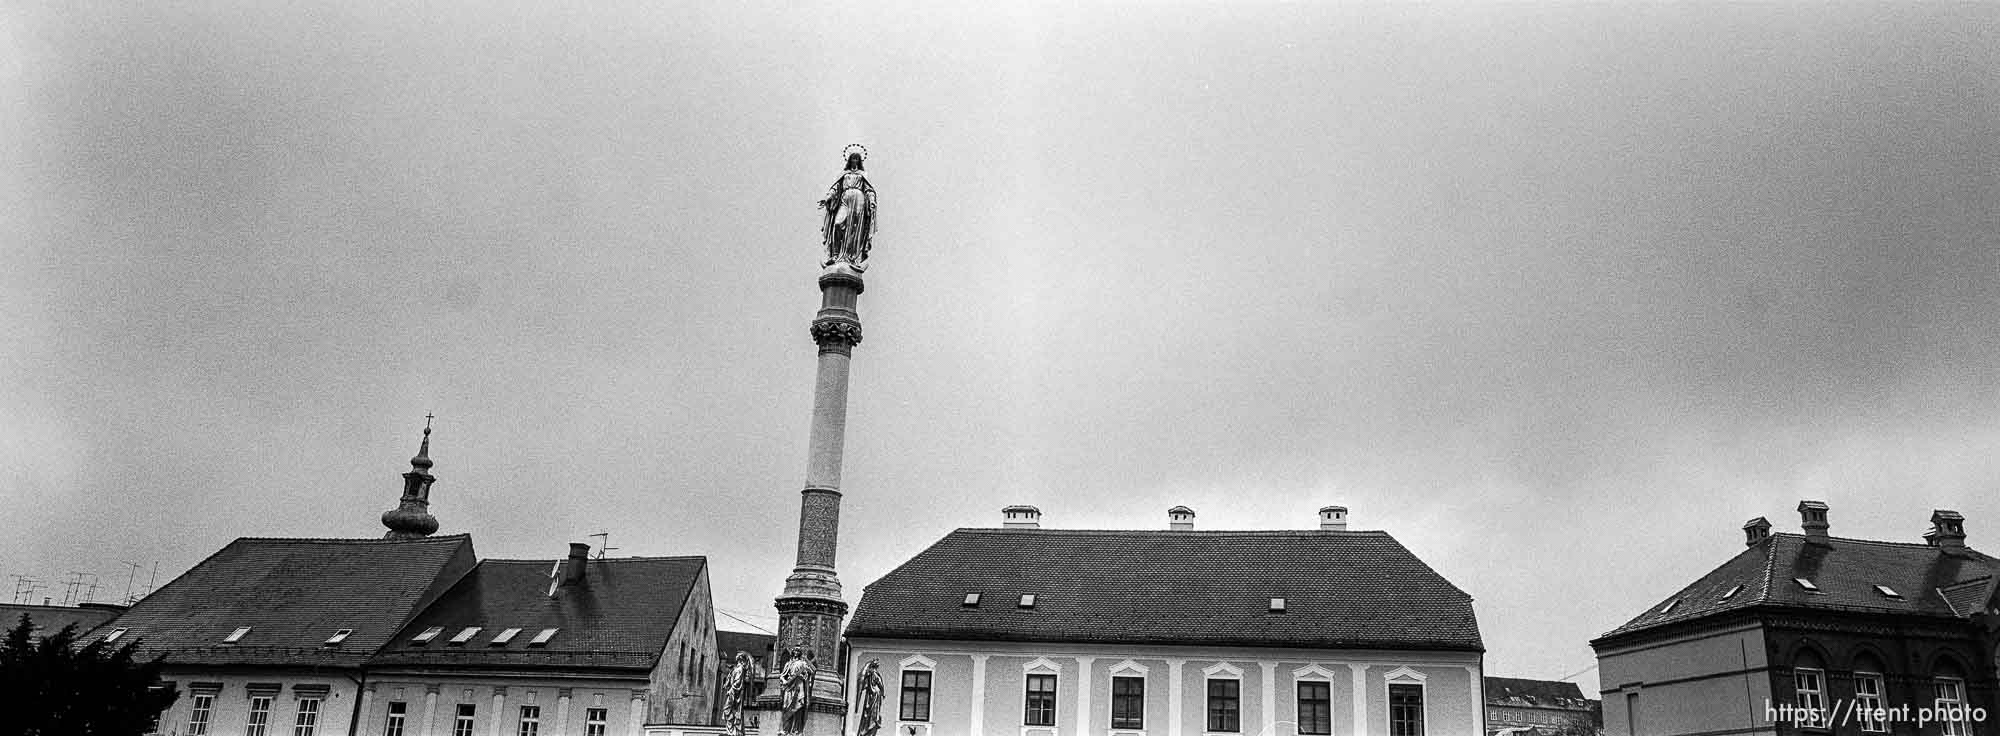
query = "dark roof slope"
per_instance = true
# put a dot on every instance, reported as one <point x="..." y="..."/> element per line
<point x="1846" y="571"/>
<point x="1549" y="693"/>
<point x="1357" y="589"/>
<point x="728" y="643"/>
<point x="48" y="620"/>
<point x="294" y="594"/>
<point x="619" y="618"/>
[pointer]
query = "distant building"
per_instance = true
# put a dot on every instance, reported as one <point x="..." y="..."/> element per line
<point x="51" y="619"/>
<point x="412" y="635"/>
<point x="1024" y="631"/>
<point x="1517" y="707"/>
<point x="1798" y="625"/>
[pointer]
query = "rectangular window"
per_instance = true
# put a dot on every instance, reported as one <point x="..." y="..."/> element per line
<point x="505" y="635"/>
<point x="427" y="636"/>
<point x="1041" y="701"/>
<point x="1406" y="710"/>
<point x="542" y="639"/>
<point x="237" y="635"/>
<point x="1224" y="701"/>
<point x="464" y="635"/>
<point x="531" y="721"/>
<point x="1810" y="685"/>
<point x="462" y="725"/>
<point x="260" y="716"/>
<point x="593" y="722"/>
<point x="308" y="721"/>
<point x="398" y="710"/>
<point x="198" y="716"/>
<point x="1128" y="702"/>
<point x="1315" y="707"/>
<point x="916" y="699"/>
<point x="1868" y="702"/>
<point x="1950" y="702"/>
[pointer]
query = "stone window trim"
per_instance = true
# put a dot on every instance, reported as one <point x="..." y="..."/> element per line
<point x="1041" y="667"/>
<point x="915" y="663"/>
<point x="1126" y="668"/>
<point x="1406" y="675"/>
<point x="1209" y="700"/>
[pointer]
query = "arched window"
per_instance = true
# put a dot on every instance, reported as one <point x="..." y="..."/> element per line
<point x="1948" y="697"/>
<point x="1809" y="683"/>
<point x="1871" y="694"/>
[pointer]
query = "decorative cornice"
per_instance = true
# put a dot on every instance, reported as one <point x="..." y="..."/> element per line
<point x="797" y="604"/>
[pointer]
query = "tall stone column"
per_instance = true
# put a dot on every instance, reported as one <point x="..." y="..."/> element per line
<point x="810" y="609"/>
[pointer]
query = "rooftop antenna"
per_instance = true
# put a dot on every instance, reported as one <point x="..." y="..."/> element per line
<point x="71" y="587"/>
<point x="604" y="545"/>
<point x="129" y="577"/>
<point x="25" y="587"/>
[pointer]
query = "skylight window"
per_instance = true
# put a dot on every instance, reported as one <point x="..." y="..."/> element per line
<point x="542" y="639"/>
<point x="464" y="635"/>
<point x="1732" y="593"/>
<point x="1277" y="605"/>
<point x="505" y="636"/>
<point x="427" y="636"/>
<point x="1888" y="592"/>
<point x="338" y="637"/>
<point x="971" y="600"/>
<point x="1027" y="600"/>
<point x="236" y="636"/>
<point x="113" y="636"/>
<point x="1670" y="605"/>
<point x="1807" y="584"/>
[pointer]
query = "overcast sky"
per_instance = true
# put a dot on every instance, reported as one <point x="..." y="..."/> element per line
<point x="1558" y="294"/>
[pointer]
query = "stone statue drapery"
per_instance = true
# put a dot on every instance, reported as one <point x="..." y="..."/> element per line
<point x="848" y="214"/>
<point x="868" y="699"/>
<point x="795" y="683"/>
<point x="736" y="694"/>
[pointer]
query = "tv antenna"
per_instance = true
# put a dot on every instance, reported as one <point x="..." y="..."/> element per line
<point x="603" y="546"/>
<point x="129" y="578"/>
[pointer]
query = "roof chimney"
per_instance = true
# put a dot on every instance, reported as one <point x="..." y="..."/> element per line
<point x="1812" y="519"/>
<point x="1947" y="531"/>
<point x="1021" y="517"/>
<point x="1755" y="531"/>
<point x="572" y="569"/>
<point x="1180" y="519"/>
<point x="1333" y="518"/>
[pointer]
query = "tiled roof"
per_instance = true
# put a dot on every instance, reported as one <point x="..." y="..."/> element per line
<point x="1845" y="571"/>
<point x="293" y="594"/>
<point x="728" y="643"/>
<point x="619" y="618"/>
<point x="48" y="620"/>
<point x="1358" y="589"/>
<point x="1516" y="691"/>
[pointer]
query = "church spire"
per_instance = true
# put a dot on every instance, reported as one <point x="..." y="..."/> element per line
<point x="411" y="519"/>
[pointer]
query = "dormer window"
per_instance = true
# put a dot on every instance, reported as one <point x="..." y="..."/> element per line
<point x="1670" y="606"/>
<point x="1888" y="592"/>
<point x="113" y="636"/>
<point x="1027" y="600"/>
<point x="1277" y="605"/>
<point x="237" y="635"/>
<point x="464" y="635"/>
<point x="506" y="635"/>
<point x="338" y="637"/>
<point x="971" y="600"/>
<point x="542" y="639"/>
<point x="427" y="636"/>
<point x="1732" y="593"/>
<point x="1807" y="584"/>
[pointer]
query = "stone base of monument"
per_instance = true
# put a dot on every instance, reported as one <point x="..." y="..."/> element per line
<point x="827" y="716"/>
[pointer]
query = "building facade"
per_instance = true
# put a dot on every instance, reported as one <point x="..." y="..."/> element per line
<point x="1023" y="631"/>
<point x="1520" y="707"/>
<point x="1813" y="634"/>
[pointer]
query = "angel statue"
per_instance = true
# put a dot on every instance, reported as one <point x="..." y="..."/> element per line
<point x="870" y="703"/>
<point x="795" y="681"/>
<point x="736" y="694"/>
<point x="848" y="225"/>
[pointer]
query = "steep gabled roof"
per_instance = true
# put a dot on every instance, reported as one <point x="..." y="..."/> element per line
<point x="728" y="643"/>
<point x="48" y="620"/>
<point x="292" y="595"/>
<point x="1930" y="581"/>
<point x="1342" y="589"/>
<point x="620" y="617"/>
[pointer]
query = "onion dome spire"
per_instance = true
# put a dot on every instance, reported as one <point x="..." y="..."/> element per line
<point x="411" y="519"/>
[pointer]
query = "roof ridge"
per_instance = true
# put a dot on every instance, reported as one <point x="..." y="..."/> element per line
<point x="360" y="540"/>
<point x="1181" y="533"/>
<point x="1858" y="540"/>
<point x="546" y="560"/>
<point x="1770" y="568"/>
